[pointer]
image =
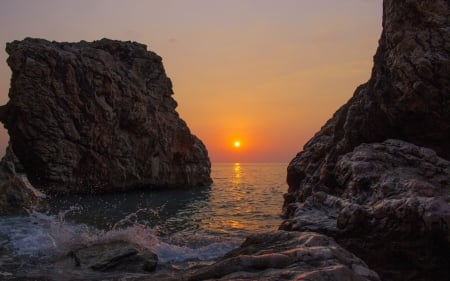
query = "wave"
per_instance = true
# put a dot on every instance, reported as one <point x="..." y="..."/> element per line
<point x="39" y="239"/>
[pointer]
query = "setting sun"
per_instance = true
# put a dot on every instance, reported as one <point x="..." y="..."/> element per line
<point x="237" y="144"/>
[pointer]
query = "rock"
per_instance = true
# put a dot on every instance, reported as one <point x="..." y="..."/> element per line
<point x="98" y="117"/>
<point x="111" y="256"/>
<point x="16" y="193"/>
<point x="387" y="184"/>
<point x="406" y="98"/>
<point x="281" y="255"/>
<point x="393" y="211"/>
<point x="385" y="199"/>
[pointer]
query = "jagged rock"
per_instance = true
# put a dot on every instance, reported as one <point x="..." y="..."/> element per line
<point x="281" y="255"/>
<point x="376" y="172"/>
<point x="17" y="195"/>
<point x="16" y="192"/>
<point x="407" y="97"/>
<point x="386" y="200"/>
<point x="97" y="117"/>
<point x="111" y="256"/>
<point x="394" y="210"/>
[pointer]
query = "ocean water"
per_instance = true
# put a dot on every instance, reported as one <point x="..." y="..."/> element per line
<point x="184" y="227"/>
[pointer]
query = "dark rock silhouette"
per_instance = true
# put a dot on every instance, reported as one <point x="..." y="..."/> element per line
<point x="385" y="199"/>
<point x="17" y="195"/>
<point x="98" y="117"/>
<point x="407" y="97"/>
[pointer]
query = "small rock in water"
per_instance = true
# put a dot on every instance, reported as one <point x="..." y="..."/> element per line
<point x="112" y="256"/>
<point x="16" y="192"/>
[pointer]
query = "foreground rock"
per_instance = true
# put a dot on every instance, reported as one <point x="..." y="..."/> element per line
<point x="386" y="200"/>
<point x="97" y="117"/>
<point x="394" y="211"/>
<point x="282" y="255"/>
<point x="116" y="256"/>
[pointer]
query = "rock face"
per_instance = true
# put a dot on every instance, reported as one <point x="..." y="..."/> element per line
<point x="97" y="117"/>
<point x="393" y="211"/>
<point x="407" y="97"/>
<point x="386" y="199"/>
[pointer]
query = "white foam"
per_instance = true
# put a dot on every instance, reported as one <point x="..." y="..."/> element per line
<point x="43" y="236"/>
<point x="169" y="253"/>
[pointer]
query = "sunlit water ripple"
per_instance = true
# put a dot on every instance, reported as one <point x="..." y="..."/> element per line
<point x="181" y="226"/>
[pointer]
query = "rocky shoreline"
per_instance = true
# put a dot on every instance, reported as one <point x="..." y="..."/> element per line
<point x="368" y="196"/>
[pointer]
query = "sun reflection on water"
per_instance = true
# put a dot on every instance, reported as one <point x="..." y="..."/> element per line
<point x="246" y="197"/>
<point x="237" y="175"/>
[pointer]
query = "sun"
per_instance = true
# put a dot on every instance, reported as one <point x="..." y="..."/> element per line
<point x="237" y="144"/>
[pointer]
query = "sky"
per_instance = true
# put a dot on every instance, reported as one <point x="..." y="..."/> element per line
<point x="266" y="73"/>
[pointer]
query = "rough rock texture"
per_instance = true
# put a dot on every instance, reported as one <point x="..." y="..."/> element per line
<point x="97" y="117"/>
<point x="111" y="256"/>
<point x="282" y="255"/>
<point x="394" y="211"/>
<point x="407" y="97"/>
<point x="16" y="193"/>
<point x="384" y="199"/>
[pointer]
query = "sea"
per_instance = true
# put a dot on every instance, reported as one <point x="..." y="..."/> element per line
<point x="184" y="227"/>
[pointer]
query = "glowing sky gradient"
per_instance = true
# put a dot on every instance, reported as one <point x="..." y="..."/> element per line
<point x="265" y="73"/>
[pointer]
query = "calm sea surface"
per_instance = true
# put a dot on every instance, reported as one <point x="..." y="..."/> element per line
<point x="181" y="226"/>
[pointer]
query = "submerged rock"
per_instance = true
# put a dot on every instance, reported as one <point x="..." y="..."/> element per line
<point x="384" y="199"/>
<point x="119" y="256"/>
<point x="98" y="117"/>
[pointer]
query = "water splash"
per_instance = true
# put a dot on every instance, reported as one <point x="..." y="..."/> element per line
<point x="172" y="253"/>
<point x="42" y="235"/>
<point x="41" y="239"/>
<point x="184" y="227"/>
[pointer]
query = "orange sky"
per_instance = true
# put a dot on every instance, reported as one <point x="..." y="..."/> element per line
<point x="267" y="73"/>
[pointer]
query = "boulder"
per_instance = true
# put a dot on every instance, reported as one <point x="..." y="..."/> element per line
<point x="281" y="255"/>
<point x="119" y="256"/>
<point x="98" y="117"/>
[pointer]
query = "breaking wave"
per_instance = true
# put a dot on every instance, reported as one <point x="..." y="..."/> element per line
<point x="183" y="227"/>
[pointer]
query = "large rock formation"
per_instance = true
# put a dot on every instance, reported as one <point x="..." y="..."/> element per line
<point x="97" y="117"/>
<point x="386" y="200"/>
<point x="407" y="97"/>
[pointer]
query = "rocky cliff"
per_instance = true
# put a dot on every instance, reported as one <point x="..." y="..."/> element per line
<point x="97" y="116"/>
<point x="376" y="177"/>
<point x="406" y="98"/>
